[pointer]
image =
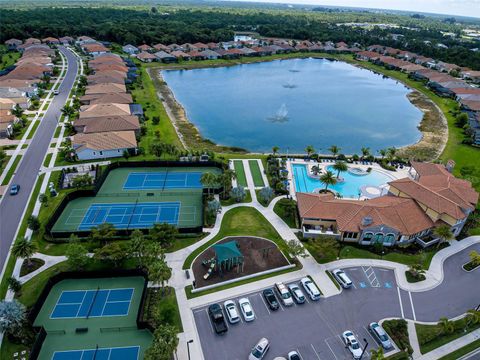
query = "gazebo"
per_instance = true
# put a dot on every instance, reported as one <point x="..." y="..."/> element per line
<point x="227" y="255"/>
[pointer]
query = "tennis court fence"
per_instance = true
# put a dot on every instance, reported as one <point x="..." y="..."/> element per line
<point x="56" y="332"/>
<point x="118" y="329"/>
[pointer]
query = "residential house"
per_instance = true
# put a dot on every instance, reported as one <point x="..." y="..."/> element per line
<point x="103" y="145"/>
<point x="161" y="47"/>
<point x="165" y="57"/>
<point x="82" y="40"/>
<point x="146" y="57"/>
<point x="32" y="41"/>
<point x="102" y="79"/>
<point x="210" y="54"/>
<point x="105" y="89"/>
<point x="109" y="67"/>
<point x="180" y="55"/>
<point x="130" y="49"/>
<point x="94" y="49"/>
<point x="7" y="120"/>
<point x="472" y="75"/>
<point x="66" y="40"/>
<point x="200" y="46"/>
<point x="136" y="109"/>
<point x="145" y="48"/>
<point x="112" y="98"/>
<point x="29" y="87"/>
<point x="107" y="124"/>
<point x="12" y="44"/>
<point x="109" y="109"/>
<point x="51" y="41"/>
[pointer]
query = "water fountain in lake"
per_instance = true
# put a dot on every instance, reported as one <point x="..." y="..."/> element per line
<point x="281" y="115"/>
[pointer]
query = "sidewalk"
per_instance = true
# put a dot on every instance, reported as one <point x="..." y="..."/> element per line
<point x="451" y="346"/>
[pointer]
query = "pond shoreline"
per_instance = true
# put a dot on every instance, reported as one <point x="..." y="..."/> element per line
<point x="433" y="125"/>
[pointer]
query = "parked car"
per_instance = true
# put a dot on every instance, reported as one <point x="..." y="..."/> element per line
<point x="342" y="278"/>
<point x="216" y="317"/>
<point x="271" y="299"/>
<point x="352" y="344"/>
<point x="56" y="92"/>
<point x="14" y="189"/>
<point x="259" y="350"/>
<point x="380" y="335"/>
<point x="297" y="293"/>
<point x="285" y="295"/>
<point x="293" y="355"/>
<point x="310" y="288"/>
<point x="231" y="310"/>
<point x="246" y="309"/>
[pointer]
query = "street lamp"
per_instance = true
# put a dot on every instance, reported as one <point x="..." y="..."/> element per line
<point x="188" y="347"/>
<point x="364" y="348"/>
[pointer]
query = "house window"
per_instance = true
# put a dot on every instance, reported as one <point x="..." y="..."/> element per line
<point x="94" y="153"/>
<point x="389" y="239"/>
<point x="379" y="238"/>
<point x="101" y="152"/>
<point x="368" y="237"/>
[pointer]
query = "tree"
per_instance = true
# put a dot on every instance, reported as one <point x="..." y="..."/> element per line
<point x="103" y="232"/>
<point x="157" y="149"/>
<point x="315" y="170"/>
<point x="226" y="179"/>
<point x="444" y="233"/>
<point x="309" y="150"/>
<point x="391" y="153"/>
<point x="68" y="111"/>
<point x="383" y="153"/>
<point x="461" y="120"/>
<point x="213" y="207"/>
<point x="473" y="317"/>
<point x="238" y="193"/>
<point x="275" y="150"/>
<point x="377" y="354"/>
<point x="447" y="326"/>
<point x="12" y="316"/>
<point x="328" y="179"/>
<point x="163" y="234"/>
<point x="158" y="271"/>
<point x="81" y="181"/>
<point x="266" y="194"/>
<point x="334" y="149"/>
<point x="17" y="111"/>
<point x="340" y="166"/>
<point x="416" y="271"/>
<point x="474" y="258"/>
<point x="365" y="152"/>
<point x="165" y="342"/>
<point x="296" y="249"/>
<point x="24" y="248"/>
<point x="43" y="198"/>
<point x="138" y="247"/>
<point x="114" y="253"/>
<point x="77" y="256"/>
<point x="33" y="223"/>
<point x="14" y="285"/>
<point x="208" y="180"/>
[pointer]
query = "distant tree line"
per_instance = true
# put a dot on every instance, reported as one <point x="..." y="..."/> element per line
<point x="181" y="25"/>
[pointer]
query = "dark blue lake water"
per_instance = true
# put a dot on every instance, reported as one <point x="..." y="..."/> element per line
<point x="295" y="103"/>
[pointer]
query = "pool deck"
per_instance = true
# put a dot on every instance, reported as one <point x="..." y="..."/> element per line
<point x="394" y="175"/>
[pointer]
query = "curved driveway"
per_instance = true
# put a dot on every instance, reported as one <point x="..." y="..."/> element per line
<point x="12" y="207"/>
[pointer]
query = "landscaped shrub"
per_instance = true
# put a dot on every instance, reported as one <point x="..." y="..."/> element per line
<point x="238" y="193"/>
<point x="398" y="331"/>
<point x="265" y="195"/>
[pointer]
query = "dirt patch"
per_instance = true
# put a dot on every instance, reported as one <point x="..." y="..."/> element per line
<point x="259" y="255"/>
<point x="433" y="127"/>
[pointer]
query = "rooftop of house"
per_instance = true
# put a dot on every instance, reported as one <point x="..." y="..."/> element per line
<point x="145" y="56"/>
<point x="105" y="88"/>
<point x="108" y="123"/>
<point x="97" y="110"/>
<point x="112" y="140"/>
<point x="108" y="98"/>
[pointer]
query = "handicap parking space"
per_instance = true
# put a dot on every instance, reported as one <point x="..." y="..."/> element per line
<point x="312" y="329"/>
<point x="368" y="277"/>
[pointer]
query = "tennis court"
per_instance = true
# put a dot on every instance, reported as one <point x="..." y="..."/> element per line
<point x="130" y="215"/>
<point x="117" y="353"/>
<point x="92" y="303"/>
<point x="163" y="180"/>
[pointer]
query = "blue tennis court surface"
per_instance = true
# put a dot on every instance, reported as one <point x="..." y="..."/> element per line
<point x="162" y="180"/>
<point x="131" y="215"/>
<point x="119" y="353"/>
<point x="92" y="303"/>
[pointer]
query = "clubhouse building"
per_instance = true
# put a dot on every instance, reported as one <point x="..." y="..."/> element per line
<point x="413" y="207"/>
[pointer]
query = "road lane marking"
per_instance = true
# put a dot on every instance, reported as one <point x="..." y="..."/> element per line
<point x="315" y="351"/>
<point x="326" y="342"/>
<point x="411" y="304"/>
<point x="400" y="300"/>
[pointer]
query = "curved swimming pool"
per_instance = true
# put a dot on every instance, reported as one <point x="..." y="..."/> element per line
<point x="349" y="188"/>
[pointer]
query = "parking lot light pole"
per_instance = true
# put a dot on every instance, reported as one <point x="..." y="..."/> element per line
<point x="364" y="348"/>
<point x="188" y="348"/>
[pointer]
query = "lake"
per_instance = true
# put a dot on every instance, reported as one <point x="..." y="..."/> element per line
<point x="294" y="103"/>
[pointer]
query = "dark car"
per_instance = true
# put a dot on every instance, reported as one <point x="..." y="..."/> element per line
<point x="271" y="299"/>
<point x="218" y="320"/>
<point x="14" y="189"/>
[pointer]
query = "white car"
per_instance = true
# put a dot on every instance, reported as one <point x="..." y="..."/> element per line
<point x="297" y="293"/>
<point x="380" y="335"/>
<point x="285" y="295"/>
<point x="259" y="350"/>
<point x="294" y="355"/>
<point x="310" y="288"/>
<point x="231" y="310"/>
<point x="352" y="344"/>
<point x="342" y="278"/>
<point x="246" y="309"/>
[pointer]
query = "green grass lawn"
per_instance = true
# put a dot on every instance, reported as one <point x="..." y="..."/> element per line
<point x="48" y="157"/>
<point x="33" y="130"/>
<point x="256" y="173"/>
<point x="240" y="171"/>
<point x="462" y="351"/>
<point x="431" y="337"/>
<point x="12" y="169"/>
<point x="9" y="58"/>
<point x="290" y="218"/>
<point x="244" y="221"/>
<point x="57" y="132"/>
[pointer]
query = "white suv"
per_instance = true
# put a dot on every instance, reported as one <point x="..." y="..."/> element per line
<point x="310" y="288"/>
<point x="342" y="278"/>
<point x="285" y="295"/>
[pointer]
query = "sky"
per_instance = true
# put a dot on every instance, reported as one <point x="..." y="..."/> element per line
<point x="448" y="7"/>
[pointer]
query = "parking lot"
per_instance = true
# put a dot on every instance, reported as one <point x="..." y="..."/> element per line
<point x="313" y="329"/>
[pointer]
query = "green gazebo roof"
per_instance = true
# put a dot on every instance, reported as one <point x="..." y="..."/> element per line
<point x="227" y="251"/>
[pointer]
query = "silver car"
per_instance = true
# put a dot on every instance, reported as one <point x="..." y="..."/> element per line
<point x="342" y="278"/>
<point x="380" y="335"/>
<point x="231" y="310"/>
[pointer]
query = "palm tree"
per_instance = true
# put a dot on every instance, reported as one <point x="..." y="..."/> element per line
<point x="340" y="166"/>
<point x="208" y="180"/>
<point x="226" y="180"/>
<point x="365" y="152"/>
<point x="315" y="170"/>
<point x="328" y="179"/>
<point x="383" y="153"/>
<point x="473" y="317"/>
<point x="275" y="150"/>
<point x="446" y="325"/>
<point x="377" y="354"/>
<point x="17" y="111"/>
<point x="68" y="111"/>
<point x="309" y="150"/>
<point x="334" y="149"/>
<point x="444" y="234"/>
<point x="23" y="248"/>
<point x="391" y="152"/>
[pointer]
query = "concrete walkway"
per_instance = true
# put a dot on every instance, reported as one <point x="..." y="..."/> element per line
<point x="49" y="262"/>
<point x="451" y="346"/>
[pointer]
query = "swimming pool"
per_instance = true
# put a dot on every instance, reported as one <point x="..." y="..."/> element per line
<point x="349" y="188"/>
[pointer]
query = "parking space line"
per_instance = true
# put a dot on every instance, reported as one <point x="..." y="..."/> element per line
<point x="264" y="303"/>
<point x="370" y="334"/>
<point x="411" y="304"/>
<point x="400" y="300"/>
<point x="210" y="322"/>
<point x="315" y="351"/>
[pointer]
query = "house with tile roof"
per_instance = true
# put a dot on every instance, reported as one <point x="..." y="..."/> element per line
<point x="12" y="44"/>
<point x="108" y="98"/>
<point x="107" y="124"/>
<point x="103" y="145"/>
<point x="130" y="49"/>
<point x="97" y="110"/>
<point x="50" y="40"/>
<point x="66" y="40"/>
<point x="105" y="88"/>
<point x="410" y="211"/>
<point x="146" y="57"/>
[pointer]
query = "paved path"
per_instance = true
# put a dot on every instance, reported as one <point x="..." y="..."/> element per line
<point x="12" y="208"/>
<point x="451" y="347"/>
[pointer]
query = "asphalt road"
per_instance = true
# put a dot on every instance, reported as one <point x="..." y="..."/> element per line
<point x="12" y="207"/>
